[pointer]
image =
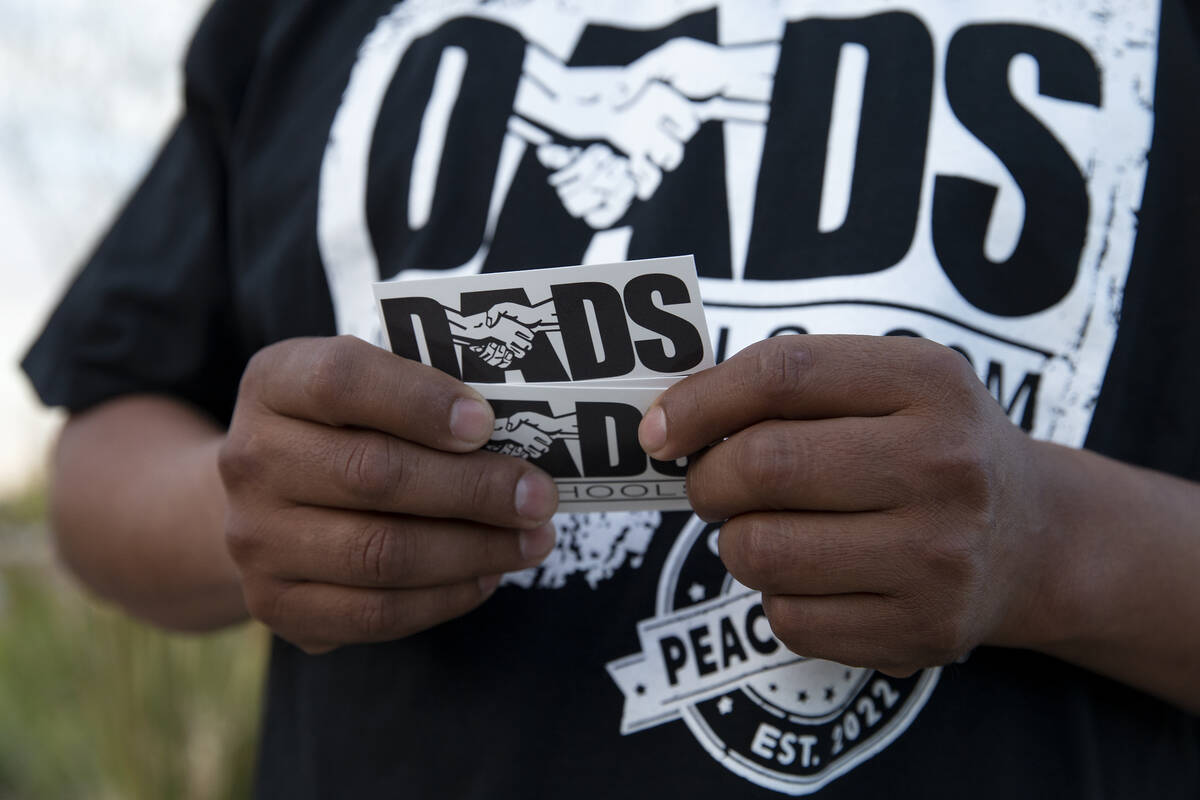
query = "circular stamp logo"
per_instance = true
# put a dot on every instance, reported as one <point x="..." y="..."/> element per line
<point x="782" y="721"/>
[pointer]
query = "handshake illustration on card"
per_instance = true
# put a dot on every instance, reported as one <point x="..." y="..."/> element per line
<point x="570" y="358"/>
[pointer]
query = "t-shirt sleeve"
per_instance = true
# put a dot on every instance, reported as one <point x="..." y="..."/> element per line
<point x="152" y="309"/>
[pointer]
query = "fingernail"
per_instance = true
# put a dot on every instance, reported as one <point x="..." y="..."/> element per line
<point x="535" y="498"/>
<point x="471" y="420"/>
<point x="488" y="583"/>
<point x="652" y="433"/>
<point x="537" y="543"/>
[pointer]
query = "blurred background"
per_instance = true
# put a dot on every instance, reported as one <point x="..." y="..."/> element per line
<point x="92" y="705"/>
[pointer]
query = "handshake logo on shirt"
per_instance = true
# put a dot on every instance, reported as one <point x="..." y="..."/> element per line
<point x="639" y="117"/>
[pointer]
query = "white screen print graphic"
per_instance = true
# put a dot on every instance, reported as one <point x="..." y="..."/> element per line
<point x="856" y="157"/>
<point x="641" y="117"/>
<point x="864" y="179"/>
<point x="604" y="136"/>
<point x="707" y="657"/>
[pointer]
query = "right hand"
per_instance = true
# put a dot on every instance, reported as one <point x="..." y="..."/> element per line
<point x="361" y="508"/>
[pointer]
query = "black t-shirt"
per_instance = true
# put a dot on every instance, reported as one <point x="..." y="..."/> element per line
<point x="1015" y="179"/>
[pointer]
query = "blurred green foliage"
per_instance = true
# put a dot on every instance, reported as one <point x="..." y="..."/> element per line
<point x="27" y="508"/>
<point x="95" y="705"/>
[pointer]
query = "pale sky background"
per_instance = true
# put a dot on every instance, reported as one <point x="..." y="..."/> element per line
<point x="88" y="90"/>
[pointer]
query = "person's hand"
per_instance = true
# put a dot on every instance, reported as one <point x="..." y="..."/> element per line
<point x="360" y="506"/>
<point x="874" y="492"/>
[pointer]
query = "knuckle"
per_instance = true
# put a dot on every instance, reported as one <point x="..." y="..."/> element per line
<point x="369" y="468"/>
<point x="239" y="458"/>
<point x="777" y="608"/>
<point x="700" y="489"/>
<point x="260" y="365"/>
<point x="781" y="614"/>
<point x="381" y="555"/>
<point x="696" y="481"/>
<point x="456" y="601"/>
<point x="242" y="538"/>
<point x="755" y="548"/>
<point x="949" y="377"/>
<point x="329" y="377"/>
<point x="963" y="469"/>
<point x="956" y="453"/>
<point x="903" y="671"/>
<point x="480" y="488"/>
<point x="951" y="559"/>
<point x="910" y="641"/>
<point x="374" y="554"/>
<point x="378" y="617"/>
<point x="781" y="365"/>
<point x="264" y="602"/>
<point x="899" y="667"/>
<point x="937" y="358"/>
<point x="769" y="460"/>
<point x="933" y="632"/>
<point x="500" y="553"/>
<point x="946" y="638"/>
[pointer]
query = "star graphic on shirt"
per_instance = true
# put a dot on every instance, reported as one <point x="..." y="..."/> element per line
<point x="696" y="592"/>
<point x="725" y="705"/>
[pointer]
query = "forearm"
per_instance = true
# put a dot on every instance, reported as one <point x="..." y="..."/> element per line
<point x="1116" y="593"/>
<point x="138" y="510"/>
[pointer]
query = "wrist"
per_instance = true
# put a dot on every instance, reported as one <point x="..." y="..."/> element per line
<point x="1044" y="579"/>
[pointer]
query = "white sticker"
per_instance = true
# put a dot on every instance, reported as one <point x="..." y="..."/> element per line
<point x="633" y="320"/>
<point x="586" y="438"/>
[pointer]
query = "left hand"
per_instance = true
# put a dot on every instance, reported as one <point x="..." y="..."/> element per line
<point x="873" y="490"/>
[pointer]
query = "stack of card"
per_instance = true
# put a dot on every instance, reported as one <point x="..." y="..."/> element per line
<point x="570" y="359"/>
